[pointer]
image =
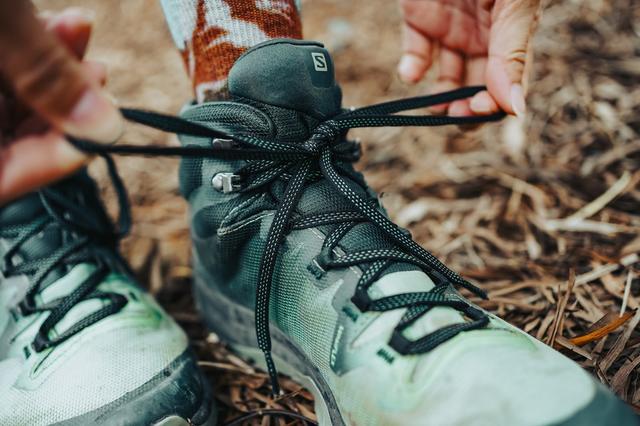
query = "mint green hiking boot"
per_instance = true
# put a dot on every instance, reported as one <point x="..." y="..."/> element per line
<point x="298" y="268"/>
<point x="80" y="342"/>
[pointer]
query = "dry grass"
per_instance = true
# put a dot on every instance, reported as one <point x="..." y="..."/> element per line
<point x="544" y="214"/>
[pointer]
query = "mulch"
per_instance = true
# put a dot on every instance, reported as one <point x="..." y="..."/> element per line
<point x="543" y="213"/>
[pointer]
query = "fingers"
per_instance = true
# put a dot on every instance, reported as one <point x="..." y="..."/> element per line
<point x="509" y="43"/>
<point x="455" y="24"/>
<point x="34" y="161"/>
<point x="450" y="75"/>
<point x="97" y="71"/>
<point x="482" y="103"/>
<point x="452" y="67"/>
<point x="418" y="58"/>
<point x="36" y="155"/>
<point x="459" y="109"/>
<point x="46" y="76"/>
<point x="73" y="28"/>
<point x="417" y="55"/>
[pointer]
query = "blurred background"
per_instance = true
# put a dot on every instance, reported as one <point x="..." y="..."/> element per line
<point x="543" y="213"/>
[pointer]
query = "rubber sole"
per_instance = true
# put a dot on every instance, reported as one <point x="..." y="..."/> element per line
<point x="235" y="325"/>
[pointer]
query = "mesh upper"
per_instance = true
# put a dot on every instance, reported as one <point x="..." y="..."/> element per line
<point x="229" y="232"/>
<point x="93" y="367"/>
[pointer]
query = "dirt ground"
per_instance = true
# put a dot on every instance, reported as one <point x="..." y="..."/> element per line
<point x="543" y="213"/>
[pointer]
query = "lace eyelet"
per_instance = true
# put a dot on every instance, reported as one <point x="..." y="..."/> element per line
<point x="5" y="266"/>
<point x="220" y="143"/>
<point x="361" y="299"/>
<point x="315" y="268"/>
<point x="474" y="313"/>
<point x="226" y="182"/>
<point x="26" y="307"/>
<point x="399" y="343"/>
<point x="41" y="343"/>
<point x="320" y="264"/>
<point x="118" y="300"/>
<point x="15" y="314"/>
<point x="324" y="258"/>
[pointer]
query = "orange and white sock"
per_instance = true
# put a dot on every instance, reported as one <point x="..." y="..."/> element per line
<point x="212" y="34"/>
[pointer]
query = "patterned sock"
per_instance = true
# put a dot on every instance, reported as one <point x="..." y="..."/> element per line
<point x="212" y="34"/>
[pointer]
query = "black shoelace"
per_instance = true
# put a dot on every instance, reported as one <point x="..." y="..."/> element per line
<point x="94" y="241"/>
<point x="319" y="157"/>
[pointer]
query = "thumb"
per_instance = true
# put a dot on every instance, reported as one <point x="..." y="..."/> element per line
<point x="46" y="76"/>
<point x="513" y="24"/>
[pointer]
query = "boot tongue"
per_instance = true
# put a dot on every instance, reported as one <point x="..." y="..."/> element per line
<point x="292" y="74"/>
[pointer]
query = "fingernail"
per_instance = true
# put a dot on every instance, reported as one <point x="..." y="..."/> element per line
<point x="517" y="100"/>
<point x="96" y="118"/>
<point x="480" y="104"/>
<point x="86" y="15"/>
<point x="407" y="68"/>
<point x="45" y="14"/>
<point x="72" y="15"/>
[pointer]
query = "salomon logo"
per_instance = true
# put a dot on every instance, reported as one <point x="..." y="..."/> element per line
<point x="319" y="61"/>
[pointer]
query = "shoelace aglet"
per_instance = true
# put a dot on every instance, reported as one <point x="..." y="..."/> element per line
<point x="483" y="294"/>
<point x="473" y="289"/>
<point x="273" y="374"/>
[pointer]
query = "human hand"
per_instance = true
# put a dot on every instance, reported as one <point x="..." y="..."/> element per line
<point x="45" y="93"/>
<point x="475" y="42"/>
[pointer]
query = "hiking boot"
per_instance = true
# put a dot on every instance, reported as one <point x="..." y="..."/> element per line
<point x="298" y="268"/>
<point x="80" y="342"/>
